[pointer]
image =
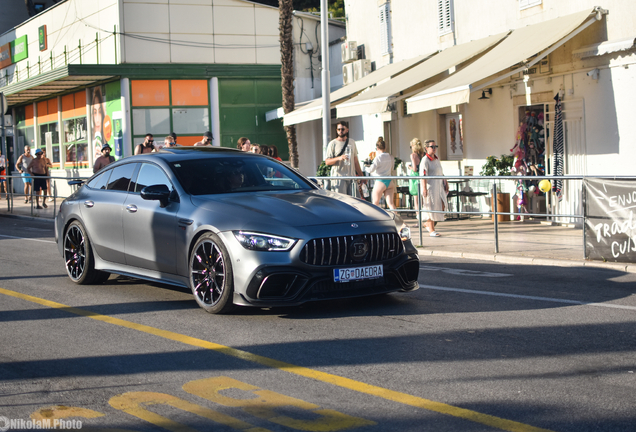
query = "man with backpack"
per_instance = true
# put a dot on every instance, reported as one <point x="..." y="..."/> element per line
<point x="342" y="156"/>
<point x="104" y="159"/>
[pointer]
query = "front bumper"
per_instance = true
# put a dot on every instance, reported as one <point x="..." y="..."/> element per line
<point x="272" y="286"/>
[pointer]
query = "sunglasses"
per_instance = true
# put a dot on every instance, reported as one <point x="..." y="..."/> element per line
<point x="433" y="147"/>
<point x="150" y="141"/>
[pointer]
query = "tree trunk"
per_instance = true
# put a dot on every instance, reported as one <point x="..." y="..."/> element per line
<point x="285" y="29"/>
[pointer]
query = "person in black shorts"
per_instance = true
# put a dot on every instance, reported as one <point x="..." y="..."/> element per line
<point x="38" y="169"/>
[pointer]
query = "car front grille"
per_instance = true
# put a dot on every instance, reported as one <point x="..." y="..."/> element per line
<point x="341" y="250"/>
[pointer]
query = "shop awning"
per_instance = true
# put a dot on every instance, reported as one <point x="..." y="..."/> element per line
<point x="521" y="45"/>
<point x="313" y="110"/>
<point x="376" y="99"/>
<point x="603" y="48"/>
<point x="49" y="83"/>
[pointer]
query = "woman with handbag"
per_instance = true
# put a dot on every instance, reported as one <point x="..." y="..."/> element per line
<point x="417" y="152"/>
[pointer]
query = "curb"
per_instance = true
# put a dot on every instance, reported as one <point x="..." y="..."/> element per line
<point x="515" y="259"/>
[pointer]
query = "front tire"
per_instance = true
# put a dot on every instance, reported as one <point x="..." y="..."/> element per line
<point x="211" y="277"/>
<point x="78" y="257"/>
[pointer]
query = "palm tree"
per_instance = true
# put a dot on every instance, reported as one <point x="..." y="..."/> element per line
<point x="285" y="8"/>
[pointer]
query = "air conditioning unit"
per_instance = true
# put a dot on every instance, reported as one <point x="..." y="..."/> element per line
<point x="361" y="68"/>
<point x="347" y="73"/>
<point x="349" y="51"/>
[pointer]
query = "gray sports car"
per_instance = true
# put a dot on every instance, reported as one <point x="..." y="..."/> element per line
<point x="237" y="228"/>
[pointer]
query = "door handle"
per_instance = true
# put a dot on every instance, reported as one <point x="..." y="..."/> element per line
<point x="131" y="208"/>
<point x="89" y="204"/>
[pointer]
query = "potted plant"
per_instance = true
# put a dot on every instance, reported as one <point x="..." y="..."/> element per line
<point x="323" y="170"/>
<point x="499" y="167"/>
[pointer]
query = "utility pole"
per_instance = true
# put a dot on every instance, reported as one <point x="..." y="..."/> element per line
<point x="324" y="50"/>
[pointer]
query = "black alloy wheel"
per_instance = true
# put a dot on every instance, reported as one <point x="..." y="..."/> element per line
<point x="211" y="277"/>
<point x="78" y="257"/>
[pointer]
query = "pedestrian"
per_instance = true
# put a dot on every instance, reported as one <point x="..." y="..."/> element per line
<point x="273" y="152"/>
<point x="49" y="165"/>
<point x="342" y="156"/>
<point x="434" y="191"/>
<point x="381" y="167"/>
<point x="174" y="138"/>
<point x="263" y="149"/>
<point x="104" y="159"/>
<point x="3" y="180"/>
<point x="244" y="144"/>
<point x="21" y="165"/>
<point x="417" y="152"/>
<point x="147" y="146"/>
<point x="255" y="148"/>
<point x="206" y="140"/>
<point x="37" y="168"/>
<point x="169" y="142"/>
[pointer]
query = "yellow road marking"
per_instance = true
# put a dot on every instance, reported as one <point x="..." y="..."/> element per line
<point x="357" y="386"/>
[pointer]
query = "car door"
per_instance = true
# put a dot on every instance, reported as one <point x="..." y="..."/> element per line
<point x="149" y="229"/>
<point x="102" y="212"/>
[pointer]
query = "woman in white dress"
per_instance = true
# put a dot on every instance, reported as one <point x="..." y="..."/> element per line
<point x="381" y="167"/>
<point x="434" y="191"/>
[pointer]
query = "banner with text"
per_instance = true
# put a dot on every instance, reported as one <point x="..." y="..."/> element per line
<point x="610" y="227"/>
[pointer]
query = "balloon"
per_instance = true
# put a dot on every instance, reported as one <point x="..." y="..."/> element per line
<point x="545" y="186"/>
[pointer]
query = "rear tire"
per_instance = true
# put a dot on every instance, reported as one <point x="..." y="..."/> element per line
<point x="78" y="257"/>
<point x="211" y="277"/>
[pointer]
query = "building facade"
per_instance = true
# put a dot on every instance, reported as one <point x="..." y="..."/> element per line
<point x="80" y="74"/>
<point x="488" y="71"/>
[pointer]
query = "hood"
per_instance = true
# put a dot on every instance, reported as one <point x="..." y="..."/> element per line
<point x="292" y="208"/>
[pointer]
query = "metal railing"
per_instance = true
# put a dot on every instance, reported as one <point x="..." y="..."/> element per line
<point x="495" y="212"/>
<point x="11" y="186"/>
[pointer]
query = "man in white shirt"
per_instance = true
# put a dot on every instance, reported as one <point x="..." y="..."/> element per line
<point x="342" y="157"/>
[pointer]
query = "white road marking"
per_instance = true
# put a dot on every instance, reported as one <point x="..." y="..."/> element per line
<point x="26" y="238"/>
<point x="464" y="272"/>
<point x="525" y="297"/>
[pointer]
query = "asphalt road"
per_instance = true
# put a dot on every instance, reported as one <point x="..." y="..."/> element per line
<point x="481" y="346"/>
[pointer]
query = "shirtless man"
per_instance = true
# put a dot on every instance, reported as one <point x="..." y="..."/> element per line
<point x="21" y="165"/>
<point x="147" y="146"/>
<point x="206" y="140"/>
<point x="37" y="168"/>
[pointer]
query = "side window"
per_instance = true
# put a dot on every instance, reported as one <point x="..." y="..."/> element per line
<point x="120" y="177"/>
<point x="100" y="181"/>
<point x="150" y="174"/>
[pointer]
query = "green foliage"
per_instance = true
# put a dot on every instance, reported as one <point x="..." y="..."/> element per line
<point x="336" y="7"/>
<point x="396" y="162"/>
<point x="497" y="167"/>
<point x="323" y="170"/>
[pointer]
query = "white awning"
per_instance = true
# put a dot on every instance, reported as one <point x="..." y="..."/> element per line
<point x="313" y="110"/>
<point x="521" y="45"/>
<point x="376" y="99"/>
<point x="605" y="48"/>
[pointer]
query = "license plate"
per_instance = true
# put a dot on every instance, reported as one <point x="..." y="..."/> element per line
<point x="358" y="273"/>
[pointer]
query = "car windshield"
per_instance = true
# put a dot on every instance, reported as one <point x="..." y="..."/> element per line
<point x="218" y="175"/>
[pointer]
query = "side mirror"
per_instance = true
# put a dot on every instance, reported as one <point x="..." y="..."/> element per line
<point x="158" y="192"/>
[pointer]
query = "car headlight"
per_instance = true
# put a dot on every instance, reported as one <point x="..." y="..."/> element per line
<point x="263" y="242"/>
<point x="405" y="233"/>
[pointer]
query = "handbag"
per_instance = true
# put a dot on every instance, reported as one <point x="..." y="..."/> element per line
<point x="413" y="183"/>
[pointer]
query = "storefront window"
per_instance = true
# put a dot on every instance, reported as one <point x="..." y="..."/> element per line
<point x="164" y="106"/>
<point x="24" y="123"/>
<point x="190" y="120"/>
<point x="154" y="121"/>
<point x="75" y="142"/>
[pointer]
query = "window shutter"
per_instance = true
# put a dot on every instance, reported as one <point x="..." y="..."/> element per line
<point x="445" y="16"/>
<point x="385" y="29"/>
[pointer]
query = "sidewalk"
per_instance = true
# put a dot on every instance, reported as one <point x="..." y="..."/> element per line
<point x="527" y="243"/>
<point x="530" y="242"/>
